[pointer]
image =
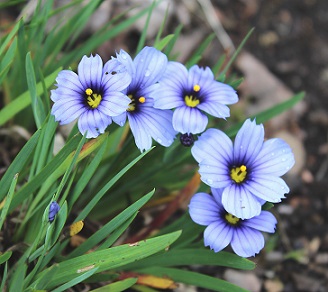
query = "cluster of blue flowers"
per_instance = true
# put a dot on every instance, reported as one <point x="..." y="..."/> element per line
<point x="160" y="99"/>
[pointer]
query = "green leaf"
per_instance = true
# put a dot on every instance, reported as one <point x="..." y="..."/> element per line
<point x="5" y="257"/>
<point x="107" y="259"/>
<point x="117" y="286"/>
<point x="18" y="164"/>
<point x="193" y="278"/>
<point x="8" y="38"/>
<point x="194" y="256"/>
<point x="163" y="42"/>
<point x="38" y="180"/>
<point x="235" y="54"/>
<point x="8" y="200"/>
<point x="142" y="38"/>
<point x="102" y="233"/>
<point x="17" y="279"/>
<point x="269" y="114"/>
<point x="84" y="213"/>
<point x="7" y="60"/>
<point x="76" y="280"/>
<point x="37" y="106"/>
<point x="24" y="100"/>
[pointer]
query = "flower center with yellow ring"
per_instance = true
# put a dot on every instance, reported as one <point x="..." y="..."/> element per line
<point x="233" y="220"/>
<point x="238" y="174"/>
<point x="93" y="99"/>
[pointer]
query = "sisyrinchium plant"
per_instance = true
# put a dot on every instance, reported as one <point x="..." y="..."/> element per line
<point x="146" y="131"/>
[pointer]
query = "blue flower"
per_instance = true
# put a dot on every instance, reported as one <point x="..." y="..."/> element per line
<point x="53" y="210"/>
<point x="248" y="171"/>
<point x="191" y="93"/>
<point x="223" y="228"/>
<point x="146" y="122"/>
<point x="93" y="96"/>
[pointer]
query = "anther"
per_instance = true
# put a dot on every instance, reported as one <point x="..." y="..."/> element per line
<point x="142" y="99"/>
<point x="196" y="87"/>
<point x="88" y="91"/>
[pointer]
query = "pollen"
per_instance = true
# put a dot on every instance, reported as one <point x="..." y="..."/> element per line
<point x="196" y="87"/>
<point x="231" y="219"/>
<point x="238" y="174"/>
<point x="88" y="91"/>
<point x="191" y="101"/>
<point x="142" y="99"/>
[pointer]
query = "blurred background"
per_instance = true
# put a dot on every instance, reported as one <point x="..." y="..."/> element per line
<point x="285" y="54"/>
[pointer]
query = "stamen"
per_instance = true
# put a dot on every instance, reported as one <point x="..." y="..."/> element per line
<point x="94" y="100"/>
<point x="238" y="174"/>
<point x="88" y="91"/>
<point x="196" y="87"/>
<point x="233" y="220"/>
<point x="132" y="105"/>
<point x="191" y="101"/>
<point x="142" y="99"/>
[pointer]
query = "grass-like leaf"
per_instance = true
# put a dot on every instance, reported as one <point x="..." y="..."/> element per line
<point x="8" y="200"/>
<point x="117" y="286"/>
<point x="270" y="113"/>
<point x="7" y="60"/>
<point x="193" y="278"/>
<point x="102" y="233"/>
<point x="190" y="256"/>
<point x="107" y="259"/>
<point x="24" y="100"/>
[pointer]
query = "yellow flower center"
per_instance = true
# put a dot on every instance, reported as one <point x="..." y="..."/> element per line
<point x="192" y="100"/>
<point x="93" y="99"/>
<point x="238" y="174"/>
<point x="132" y="105"/>
<point x="233" y="220"/>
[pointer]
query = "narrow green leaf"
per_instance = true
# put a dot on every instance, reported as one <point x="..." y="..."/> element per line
<point x="102" y="233"/>
<point x="37" y="106"/>
<point x="270" y="113"/>
<point x="24" y="100"/>
<point x="235" y="54"/>
<point x="4" y="277"/>
<point x="8" y="200"/>
<point x="38" y="180"/>
<point x="87" y="173"/>
<point x="200" y="50"/>
<point x="5" y="257"/>
<point x="17" y="279"/>
<point x="8" y="38"/>
<point x="84" y="213"/>
<point x="105" y="259"/>
<point x="193" y="278"/>
<point x="190" y="256"/>
<point x="18" y="163"/>
<point x="171" y="44"/>
<point x="162" y="43"/>
<point x="7" y="60"/>
<point x="142" y="38"/>
<point x="75" y="281"/>
<point x="117" y="286"/>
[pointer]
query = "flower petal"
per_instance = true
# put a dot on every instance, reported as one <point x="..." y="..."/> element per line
<point x="213" y="144"/>
<point x="117" y="82"/>
<point x="125" y="59"/>
<point x="94" y="122"/>
<point x="248" y="143"/>
<point x="218" y="235"/>
<point x="200" y="76"/>
<point x="247" y="242"/>
<point x="67" y="79"/>
<point x="214" y="174"/>
<point x="215" y="109"/>
<point x="172" y="84"/>
<point x="217" y="194"/>
<point x="189" y="120"/>
<point x="203" y="209"/>
<point x="275" y="158"/>
<point x="67" y="111"/>
<point x="264" y="222"/>
<point x="150" y="64"/>
<point x="90" y="71"/>
<point x="267" y="187"/>
<point x="240" y="202"/>
<point x="114" y="104"/>
<point x="120" y="119"/>
<point x="141" y="137"/>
